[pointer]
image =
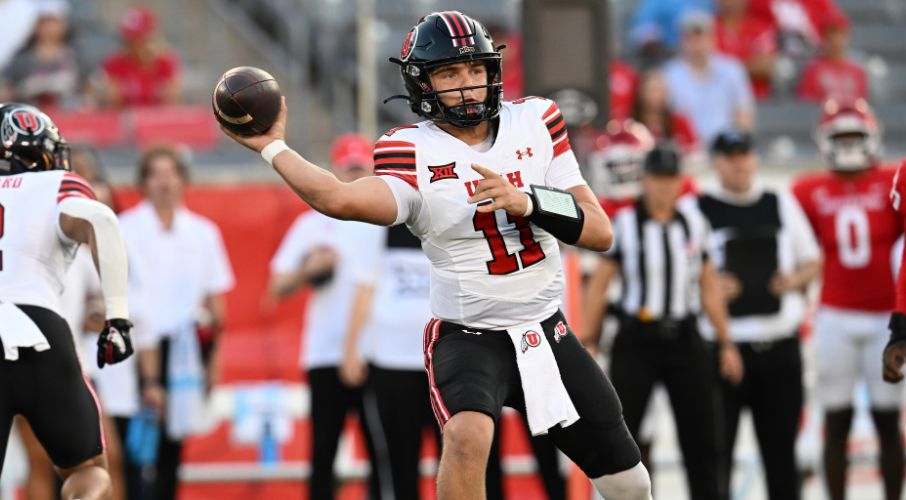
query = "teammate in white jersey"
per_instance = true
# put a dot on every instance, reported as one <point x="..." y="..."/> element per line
<point x="477" y="183"/>
<point x="45" y="213"/>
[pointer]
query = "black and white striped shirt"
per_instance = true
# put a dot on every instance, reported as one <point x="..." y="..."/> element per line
<point x="660" y="263"/>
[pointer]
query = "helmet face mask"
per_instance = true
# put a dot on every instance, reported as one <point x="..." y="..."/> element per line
<point x="849" y="151"/>
<point x="30" y="141"/>
<point x="442" y="39"/>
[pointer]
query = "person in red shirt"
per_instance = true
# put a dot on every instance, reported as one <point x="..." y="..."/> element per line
<point x="145" y="72"/>
<point x="623" y="84"/>
<point x="651" y="108"/>
<point x="797" y="22"/>
<point x="857" y="230"/>
<point x="751" y="40"/>
<point x="832" y="75"/>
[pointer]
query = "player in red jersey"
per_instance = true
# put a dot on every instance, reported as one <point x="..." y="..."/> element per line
<point x="857" y="229"/>
<point x="616" y="164"/>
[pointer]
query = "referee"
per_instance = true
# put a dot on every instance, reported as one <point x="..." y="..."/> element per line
<point x="667" y="279"/>
<point x="767" y="254"/>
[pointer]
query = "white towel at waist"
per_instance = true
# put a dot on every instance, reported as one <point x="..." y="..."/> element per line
<point x="17" y="331"/>
<point x="546" y="401"/>
<point x="186" y="401"/>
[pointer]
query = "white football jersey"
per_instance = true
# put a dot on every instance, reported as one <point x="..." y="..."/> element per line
<point x="34" y="252"/>
<point x="487" y="270"/>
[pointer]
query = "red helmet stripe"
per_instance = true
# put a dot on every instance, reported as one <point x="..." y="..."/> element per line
<point x="466" y="28"/>
<point x="453" y="35"/>
<point x="454" y="21"/>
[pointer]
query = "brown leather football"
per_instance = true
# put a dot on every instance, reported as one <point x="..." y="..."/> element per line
<point x="246" y="100"/>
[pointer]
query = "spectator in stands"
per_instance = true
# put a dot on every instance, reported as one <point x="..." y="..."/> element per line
<point x="181" y="271"/>
<point x="651" y="108"/>
<point x="513" y="79"/>
<point x="17" y="22"/>
<point x="751" y="40"/>
<point x="623" y="84"/>
<point x="832" y="75"/>
<point x="711" y="89"/>
<point x="655" y="26"/>
<point x="796" y="21"/>
<point x="145" y="72"/>
<point x="47" y="72"/>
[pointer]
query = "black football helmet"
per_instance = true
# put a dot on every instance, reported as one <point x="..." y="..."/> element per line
<point x="443" y="38"/>
<point x="30" y="141"/>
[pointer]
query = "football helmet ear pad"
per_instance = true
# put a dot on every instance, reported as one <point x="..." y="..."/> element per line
<point x="440" y="39"/>
<point x="30" y="141"/>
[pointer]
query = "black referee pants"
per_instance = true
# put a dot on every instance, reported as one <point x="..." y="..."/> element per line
<point x="645" y="353"/>
<point x="331" y="400"/>
<point x="398" y="412"/>
<point x="772" y="389"/>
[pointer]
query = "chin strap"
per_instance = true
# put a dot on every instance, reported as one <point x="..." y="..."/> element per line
<point x="396" y="97"/>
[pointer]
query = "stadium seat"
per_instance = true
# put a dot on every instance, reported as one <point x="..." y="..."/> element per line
<point x="98" y="128"/>
<point x="193" y="126"/>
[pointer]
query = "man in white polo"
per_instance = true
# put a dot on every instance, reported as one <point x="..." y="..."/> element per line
<point x="181" y="271"/>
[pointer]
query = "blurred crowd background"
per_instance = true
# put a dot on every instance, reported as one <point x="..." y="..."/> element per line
<point x="101" y="74"/>
<point x="121" y="76"/>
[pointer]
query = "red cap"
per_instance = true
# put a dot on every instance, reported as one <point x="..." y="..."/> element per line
<point x="834" y="19"/>
<point x="350" y="150"/>
<point x="137" y="23"/>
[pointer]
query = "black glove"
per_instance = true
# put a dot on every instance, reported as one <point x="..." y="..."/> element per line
<point x="897" y="328"/>
<point x="114" y="343"/>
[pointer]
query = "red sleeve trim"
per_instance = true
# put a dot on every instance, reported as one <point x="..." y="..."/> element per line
<point x="394" y="155"/>
<point x="72" y="194"/>
<point x="74" y="185"/>
<point x="410" y="178"/>
<point x="556" y="127"/>
<point x="394" y="145"/>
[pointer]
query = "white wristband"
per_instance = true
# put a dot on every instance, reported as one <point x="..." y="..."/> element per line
<point x="272" y="150"/>
<point x="530" y="207"/>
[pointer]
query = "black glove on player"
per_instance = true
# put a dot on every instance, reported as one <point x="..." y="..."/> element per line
<point x="114" y="342"/>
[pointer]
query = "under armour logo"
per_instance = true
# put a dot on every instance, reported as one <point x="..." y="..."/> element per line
<point x="521" y="153"/>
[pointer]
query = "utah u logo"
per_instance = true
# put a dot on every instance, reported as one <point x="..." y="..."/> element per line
<point x="441" y="172"/>
<point x="27" y="123"/>
<point x="560" y="331"/>
<point x="530" y="338"/>
<point x="524" y="152"/>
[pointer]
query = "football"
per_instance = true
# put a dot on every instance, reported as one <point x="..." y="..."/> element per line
<point x="246" y="100"/>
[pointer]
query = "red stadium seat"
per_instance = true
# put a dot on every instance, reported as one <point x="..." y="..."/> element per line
<point x="98" y="128"/>
<point x="193" y="126"/>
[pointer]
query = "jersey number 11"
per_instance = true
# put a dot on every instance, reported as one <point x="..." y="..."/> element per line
<point x="504" y="262"/>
